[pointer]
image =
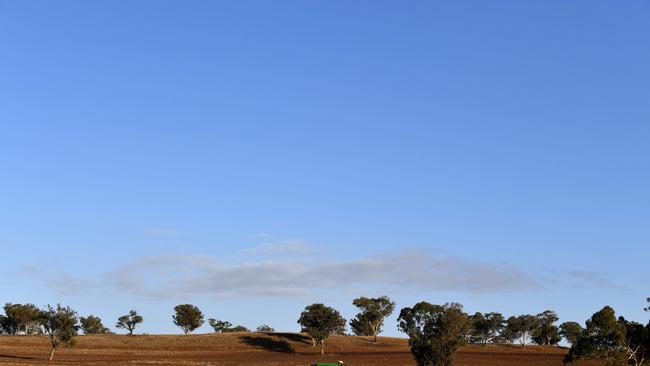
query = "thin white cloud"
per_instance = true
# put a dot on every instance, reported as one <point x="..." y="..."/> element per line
<point x="67" y="284"/>
<point x="170" y="277"/>
<point x="589" y="280"/>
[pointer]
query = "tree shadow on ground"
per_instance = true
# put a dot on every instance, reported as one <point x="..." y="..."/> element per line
<point x="268" y="343"/>
<point x="294" y="337"/>
<point x="18" y="357"/>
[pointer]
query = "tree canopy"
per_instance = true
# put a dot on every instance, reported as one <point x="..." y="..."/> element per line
<point x="60" y="325"/>
<point x="129" y="321"/>
<point x="93" y="325"/>
<point x="520" y="328"/>
<point x="265" y="328"/>
<point x="546" y="332"/>
<point x="435" y="332"/>
<point x="603" y="336"/>
<point x="371" y="317"/>
<point x="571" y="331"/>
<point x="21" y="318"/>
<point x="223" y="326"/>
<point x="320" y="321"/>
<point x="188" y="317"/>
<point x="486" y="328"/>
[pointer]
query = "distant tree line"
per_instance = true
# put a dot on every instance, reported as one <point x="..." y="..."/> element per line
<point x="435" y="331"/>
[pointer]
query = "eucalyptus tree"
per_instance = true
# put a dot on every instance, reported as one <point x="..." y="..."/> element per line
<point x="435" y="332"/>
<point x="188" y="317"/>
<point x="371" y="317"/>
<point x="546" y="331"/>
<point x="486" y="328"/>
<point x="571" y="331"/>
<point x="93" y="325"/>
<point x="60" y="325"/>
<point x="320" y="322"/>
<point x="129" y="321"/>
<point x="520" y="328"/>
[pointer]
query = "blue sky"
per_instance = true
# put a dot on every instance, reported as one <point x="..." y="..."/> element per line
<point x="254" y="157"/>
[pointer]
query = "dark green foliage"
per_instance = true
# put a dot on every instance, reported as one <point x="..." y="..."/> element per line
<point x="637" y="342"/>
<point x="520" y="328"/>
<point x="486" y="328"/>
<point x="571" y="331"/>
<point x="60" y="325"/>
<point x="546" y="333"/>
<point x="219" y="326"/>
<point x="265" y="328"/>
<point x="605" y="329"/>
<point x="360" y="326"/>
<point x="4" y="324"/>
<point x="222" y="326"/>
<point x="435" y="332"/>
<point x="371" y="317"/>
<point x="237" y="328"/>
<point x="129" y="321"/>
<point x="320" y="321"/>
<point x="604" y="337"/>
<point x="21" y="318"/>
<point x="188" y="317"/>
<point x="93" y="325"/>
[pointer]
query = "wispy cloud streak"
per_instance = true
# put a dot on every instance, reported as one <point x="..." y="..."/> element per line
<point x="187" y="275"/>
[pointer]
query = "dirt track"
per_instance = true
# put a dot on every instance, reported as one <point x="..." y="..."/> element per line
<point x="284" y="349"/>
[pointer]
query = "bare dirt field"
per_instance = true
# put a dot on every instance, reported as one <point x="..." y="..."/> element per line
<point x="286" y="349"/>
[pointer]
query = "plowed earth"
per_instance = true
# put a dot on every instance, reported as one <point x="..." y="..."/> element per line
<point x="273" y="349"/>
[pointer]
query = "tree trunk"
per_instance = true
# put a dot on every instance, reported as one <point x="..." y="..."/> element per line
<point x="51" y="354"/>
<point x="313" y="342"/>
<point x="322" y="348"/>
<point x="373" y="327"/>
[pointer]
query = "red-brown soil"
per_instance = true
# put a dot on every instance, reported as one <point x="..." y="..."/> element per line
<point x="277" y="349"/>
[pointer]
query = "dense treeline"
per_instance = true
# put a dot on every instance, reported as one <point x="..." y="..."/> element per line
<point x="435" y="331"/>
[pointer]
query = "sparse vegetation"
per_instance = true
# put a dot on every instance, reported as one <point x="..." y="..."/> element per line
<point x="252" y="349"/>
<point x="435" y="332"/>
<point x="129" y="321"/>
<point x="219" y="326"/>
<point x="265" y="328"/>
<point x="223" y="326"/>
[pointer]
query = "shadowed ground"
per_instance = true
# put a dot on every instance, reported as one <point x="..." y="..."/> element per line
<point x="272" y="349"/>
